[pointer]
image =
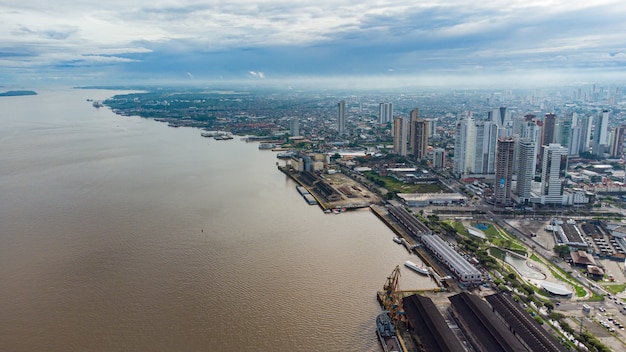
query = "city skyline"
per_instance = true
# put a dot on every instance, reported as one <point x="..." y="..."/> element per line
<point x="391" y="44"/>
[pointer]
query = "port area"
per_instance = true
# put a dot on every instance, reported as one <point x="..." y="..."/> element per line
<point x="413" y="246"/>
<point x="336" y="191"/>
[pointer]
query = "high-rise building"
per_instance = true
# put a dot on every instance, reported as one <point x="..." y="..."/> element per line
<point x="563" y="131"/>
<point x="502" y="118"/>
<point x="439" y="158"/>
<point x="601" y="134"/>
<point x="549" y="126"/>
<point x="504" y="170"/>
<point x="486" y="134"/>
<point x="385" y="112"/>
<point x="294" y="126"/>
<point x="463" y="145"/>
<point x="617" y="147"/>
<point x="553" y="173"/>
<point x="432" y="127"/>
<point x="586" y="127"/>
<point x="525" y="169"/>
<point x="418" y="139"/>
<point x="341" y="119"/>
<point x="400" y="135"/>
<point x="530" y="129"/>
<point x="475" y="147"/>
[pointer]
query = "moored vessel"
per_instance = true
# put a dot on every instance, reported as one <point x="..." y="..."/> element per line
<point x="387" y="333"/>
<point x="415" y="267"/>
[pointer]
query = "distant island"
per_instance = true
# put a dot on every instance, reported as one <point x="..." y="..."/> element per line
<point x="16" y="93"/>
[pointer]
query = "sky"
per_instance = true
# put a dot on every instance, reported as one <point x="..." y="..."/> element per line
<point x="365" y="42"/>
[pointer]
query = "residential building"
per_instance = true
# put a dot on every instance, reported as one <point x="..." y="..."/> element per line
<point x="504" y="170"/>
<point x="553" y="173"/>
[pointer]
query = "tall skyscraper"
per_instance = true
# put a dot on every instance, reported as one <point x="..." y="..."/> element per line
<point x="432" y="127"/>
<point x="617" y="147"/>
<point x="504" y="170"/>
<point x="586" y="126"/>
<point x="563" y="131"/>
<point x="601" y="134"/>
<point x="341" y="119"/>
<point x="439" y="158"/>
<point x="385" y="112"/>
<point x="525" y="169"/>
<point x="294" y="126"/>
<point x="418" y="139"/>
<point x="475" y="147"/>
<point x="502" y="118"/>
<point x="553" y="173"/>
<point x="486" y="134"/>
<point x="549" y="125"/>
<point x="463" y="145"/>
<point x="400" y="135"/>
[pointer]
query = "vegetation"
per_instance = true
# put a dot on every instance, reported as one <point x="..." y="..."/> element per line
<point x="562" y="250"/>
<point x="615" y="288"/>
<point x="397" y="186"/>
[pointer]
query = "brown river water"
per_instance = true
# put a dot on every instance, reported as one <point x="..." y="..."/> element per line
<point x="122" y="234"/>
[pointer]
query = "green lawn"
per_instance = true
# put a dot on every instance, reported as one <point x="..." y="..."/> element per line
<point x="396" y="186"/>
<point x="536" y="258"/>
<point x="501" y="239"/>
<point x="614" y="289"/>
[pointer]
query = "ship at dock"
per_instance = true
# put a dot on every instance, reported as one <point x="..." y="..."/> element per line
<point x="266" y="146"/>
<point x="415" y="267"/>
<point x="387" y="333"/>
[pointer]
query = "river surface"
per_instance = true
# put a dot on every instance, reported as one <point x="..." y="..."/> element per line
<point x="122" y="234"/>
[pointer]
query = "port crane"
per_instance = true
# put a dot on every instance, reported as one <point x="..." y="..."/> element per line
<point x="390" y="296"/>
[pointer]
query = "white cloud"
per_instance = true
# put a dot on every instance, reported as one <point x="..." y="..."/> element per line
<point x="257" y="74"/>
<point x="438" y="34"/>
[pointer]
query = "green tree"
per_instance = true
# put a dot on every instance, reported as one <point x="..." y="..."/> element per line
<point x="562" y="250"/>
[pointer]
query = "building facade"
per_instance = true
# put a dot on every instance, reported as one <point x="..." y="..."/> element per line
<point x="553" y="173"/>
<point x="525" y="170"/>
<point x="400" y="135"/>
<point x="385" y="113"/>
<point x="341" y="118"/>
<point x="504" y="170"/>
<point x="418" y="139"/>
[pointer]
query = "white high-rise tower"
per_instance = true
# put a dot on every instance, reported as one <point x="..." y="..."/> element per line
<point x="553" y="173"/>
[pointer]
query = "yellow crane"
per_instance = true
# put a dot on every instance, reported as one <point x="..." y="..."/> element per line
<point x="391" y="300"/>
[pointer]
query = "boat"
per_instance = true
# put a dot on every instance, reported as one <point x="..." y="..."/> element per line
<point x="97" y="104"/>
<point x="415" y="267"/>
<point x="397" y="240"/>
<point x="285" y="155"/>
<point x="310" y="199"/>
<point x="264" y="146"/>
<point x="387" y="333"/>
<point x="338" y="210"/>
<point x="302" y="190"/>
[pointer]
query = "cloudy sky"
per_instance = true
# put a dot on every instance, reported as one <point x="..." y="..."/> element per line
<point x="121" y="41"/>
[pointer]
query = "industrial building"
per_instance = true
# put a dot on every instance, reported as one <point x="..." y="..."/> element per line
<point x="425" y="199"/>
<point x="523" y="326"/>
<point x="465" y="272"/>
<point x="428" y="327"/>
<point x="484" y="329"/>
<point x="409" y="222"/>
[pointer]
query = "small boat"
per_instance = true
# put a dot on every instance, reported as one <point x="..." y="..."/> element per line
<point x="397" y="240"/>
<point x="338" y="210"/>
<point x="415" y="267"/>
